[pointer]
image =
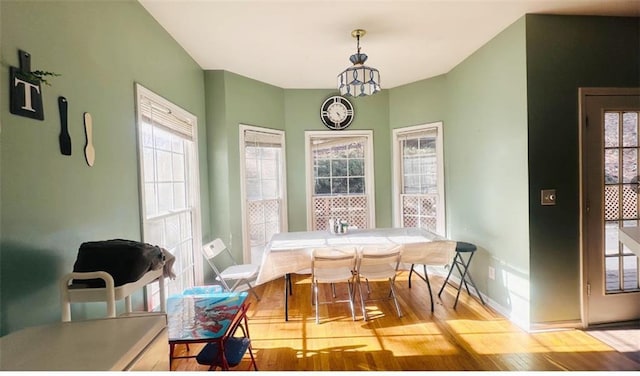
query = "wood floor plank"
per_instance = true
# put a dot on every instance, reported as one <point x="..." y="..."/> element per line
<point x="472" y="337"/>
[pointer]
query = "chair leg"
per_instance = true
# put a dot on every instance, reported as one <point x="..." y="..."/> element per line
<point x="395" y="300"/>
<point x="353" y="312"/>
<point x="315" y="294"/>
<point x="253" y="360"/>
<point x="333" y="289"/>
<point x="364" y="308"/>
<point x="253" y="291"/>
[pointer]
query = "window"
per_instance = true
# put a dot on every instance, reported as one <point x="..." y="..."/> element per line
<point x="340" y="178"/>
<point x="264" y="208"/>
<point x="419" y="177"/>
<point x="169" y="189"/>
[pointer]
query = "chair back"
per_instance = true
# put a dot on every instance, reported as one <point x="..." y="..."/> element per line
<point x="333" y="258"/>
<point x="214" y="248"/>
<point x="376" y="256"/>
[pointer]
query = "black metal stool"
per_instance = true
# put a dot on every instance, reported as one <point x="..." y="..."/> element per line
<point x="463" y="269"/>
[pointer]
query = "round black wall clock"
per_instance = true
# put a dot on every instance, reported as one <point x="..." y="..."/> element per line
<point x="336" y="112"/>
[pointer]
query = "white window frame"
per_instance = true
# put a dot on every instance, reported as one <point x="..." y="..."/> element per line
<point x="397" y="173"/>
<point x="194" y="186"/>
<point x="284" y="224"/>
<point x="369" y="169"/>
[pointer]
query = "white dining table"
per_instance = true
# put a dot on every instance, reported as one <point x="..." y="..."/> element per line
<point x="290" y="252"/>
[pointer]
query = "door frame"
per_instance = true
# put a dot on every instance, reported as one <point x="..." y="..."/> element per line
<point x="583" y="93"/>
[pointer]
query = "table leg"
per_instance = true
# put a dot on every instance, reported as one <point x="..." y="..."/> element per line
<point x="287" y="288"/>
<point x="171" y="347"/>
<point x="410" y="273"/>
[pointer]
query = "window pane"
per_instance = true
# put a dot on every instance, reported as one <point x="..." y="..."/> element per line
<point x="165" y="166"/>
<point x="162" y="139"/>
<point x="630" y="165"/>
<point x="178" y="167"/>
<point x="612" y="274"/>
<point x="323" y="168"/>
<point x="269" y="189"/>
<point x="611" y="174"/>
<point x="338" y="168"/>
<point x="356" y="150"/>
<point x="611" y="129"/>
<point x="269" y="169"/>
<point x="356" y="167"/>
<point x="323" y="186"/>
<point x="356" y="186"/>
<point x="611" y="238"/>
<point x="339" y="186"/>
<point x="630" y="129"/>
<point x="150" y="200"/>
<point x="630" y="273"/>
<point x="149" y="165"/>
<point x="180" y="196"/>
<point x="165" y="197"/>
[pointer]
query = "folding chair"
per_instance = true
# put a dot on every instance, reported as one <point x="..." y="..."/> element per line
<point x="375" y="263"/>
<point x="214" y="252"/>
<point x="329" y="265"/>
<point x="234" y="347"/>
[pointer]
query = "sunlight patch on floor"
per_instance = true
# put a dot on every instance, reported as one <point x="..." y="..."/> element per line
<point x="501" y="337"/>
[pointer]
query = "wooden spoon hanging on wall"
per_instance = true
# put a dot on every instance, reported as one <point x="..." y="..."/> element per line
<point x="89" y="151"/>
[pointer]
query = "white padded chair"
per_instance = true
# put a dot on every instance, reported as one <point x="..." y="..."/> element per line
<point x="331" y="265"/>
<point x="378" y="263"/>
<point x="216" y="252"/>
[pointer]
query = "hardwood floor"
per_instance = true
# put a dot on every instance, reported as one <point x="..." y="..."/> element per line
<point x="472" y="337"/>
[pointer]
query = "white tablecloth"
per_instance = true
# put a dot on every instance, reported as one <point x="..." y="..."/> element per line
<point x="290" y="252"/>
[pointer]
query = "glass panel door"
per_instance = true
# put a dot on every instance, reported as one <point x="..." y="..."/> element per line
<point x="610" y="151"/>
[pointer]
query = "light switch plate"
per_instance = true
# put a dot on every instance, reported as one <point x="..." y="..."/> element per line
<point x="548" y="197"/>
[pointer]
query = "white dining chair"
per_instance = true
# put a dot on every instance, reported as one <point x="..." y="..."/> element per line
<point x="333" y="266"/>
<point x="378" y="263"/>
<point x="235" y="273"/>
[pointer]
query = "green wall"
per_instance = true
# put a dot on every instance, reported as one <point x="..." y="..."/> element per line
<point x="418" y="103"/>
<point x="486" y="166"/>
<point x="51" y="203"/>
<point x="563" y="54"/>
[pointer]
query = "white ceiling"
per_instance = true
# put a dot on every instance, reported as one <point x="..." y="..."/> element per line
<point x="305" y="43"/>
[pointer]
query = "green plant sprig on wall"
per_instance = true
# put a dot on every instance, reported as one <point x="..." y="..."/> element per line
<point x="40" y="76"/>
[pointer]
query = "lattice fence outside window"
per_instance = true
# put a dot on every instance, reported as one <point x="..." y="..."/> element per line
<point x="420" y="211"/>
<point x="353" y="209"/>
<point x="264" y="220"/>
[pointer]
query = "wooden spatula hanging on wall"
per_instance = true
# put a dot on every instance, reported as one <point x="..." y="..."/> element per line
<point x="65" y="140"/>
<point x="89" y="151"/>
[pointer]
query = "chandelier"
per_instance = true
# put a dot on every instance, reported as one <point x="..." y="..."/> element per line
<point x="359" y="80"/>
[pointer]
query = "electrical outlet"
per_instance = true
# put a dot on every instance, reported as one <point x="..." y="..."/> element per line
<point x="492" y="273"/>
